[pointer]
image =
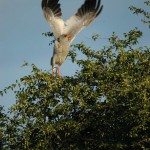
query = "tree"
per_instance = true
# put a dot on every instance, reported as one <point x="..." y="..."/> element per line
<point x="105" y="105"/>
<point x="142" y="12"/>
<point x="3" y="120"/>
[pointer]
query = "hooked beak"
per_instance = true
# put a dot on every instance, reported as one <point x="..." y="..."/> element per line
<point x="67" y="36"/>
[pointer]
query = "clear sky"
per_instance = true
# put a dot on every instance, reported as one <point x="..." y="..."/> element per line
<point x="22" y="24"/>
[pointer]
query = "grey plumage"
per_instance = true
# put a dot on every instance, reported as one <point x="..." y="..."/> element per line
<point x="65" y="31"/>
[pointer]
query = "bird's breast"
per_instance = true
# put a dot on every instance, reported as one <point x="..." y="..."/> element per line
<point x="61" y="48"/>
<point x="61" y="51"/>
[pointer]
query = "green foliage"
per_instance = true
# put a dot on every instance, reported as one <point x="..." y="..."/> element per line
<point x="105" y="105"/>
<point x="141" y="11"/>
<point x="3" y="122"/>
<point x="49" y="34"/>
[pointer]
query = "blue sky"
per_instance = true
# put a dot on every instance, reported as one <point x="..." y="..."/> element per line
<point x="22" y="24"/>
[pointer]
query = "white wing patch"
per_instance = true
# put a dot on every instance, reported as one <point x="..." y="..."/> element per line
<point x="56" y="23"/>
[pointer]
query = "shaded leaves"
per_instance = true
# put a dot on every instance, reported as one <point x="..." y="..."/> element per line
<point x="104" y="104"/>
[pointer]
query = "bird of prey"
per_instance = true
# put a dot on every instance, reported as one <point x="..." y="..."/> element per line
<point x="65" y="31"/>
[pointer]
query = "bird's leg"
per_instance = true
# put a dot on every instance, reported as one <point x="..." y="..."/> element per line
<point x="53" y="70"/>
<point x="58" y="72"/>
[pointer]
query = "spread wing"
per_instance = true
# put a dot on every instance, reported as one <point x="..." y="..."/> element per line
<point x="84" y="16"/>
<point x="52" y="12"/>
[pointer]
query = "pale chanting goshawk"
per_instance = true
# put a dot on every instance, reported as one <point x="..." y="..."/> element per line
<point x="65" y="31"/>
